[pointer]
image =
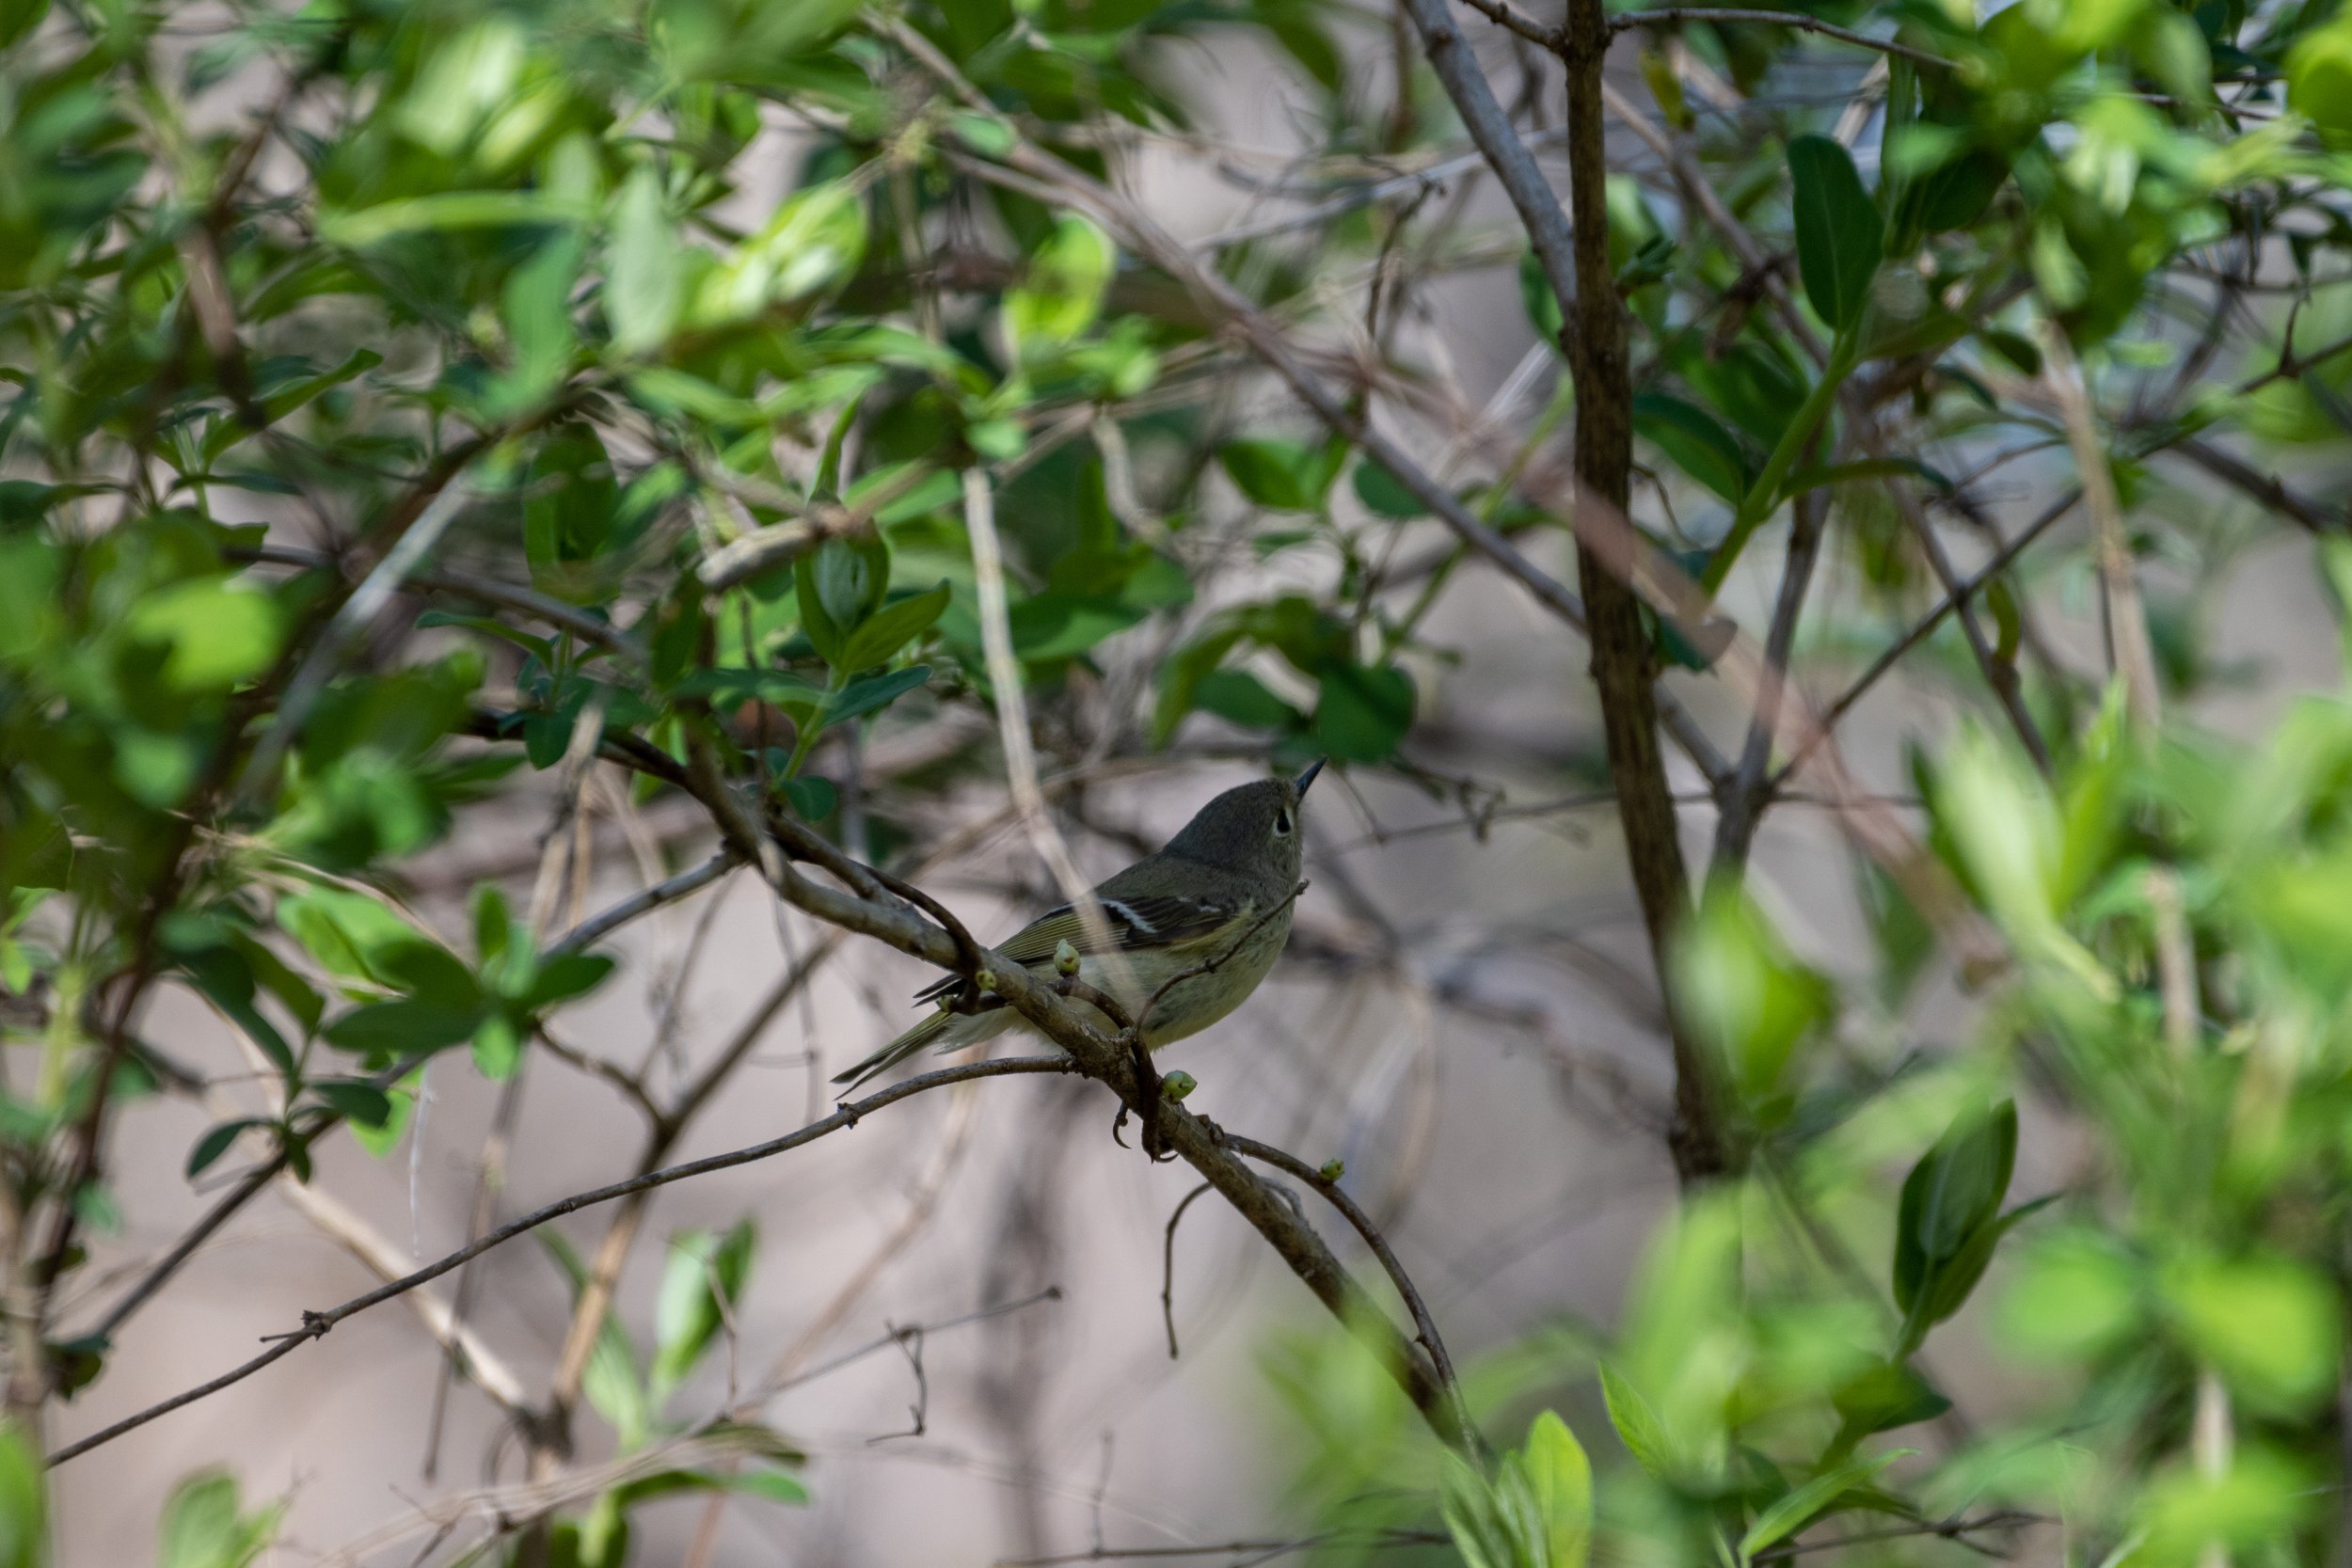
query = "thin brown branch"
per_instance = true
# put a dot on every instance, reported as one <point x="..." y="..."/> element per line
<point x="644" y="902"/>
<point x="459" y="1343"/>
<point x="1677" y="15"/>
<point x="1425" y="1327"/>
<point x="1168" y="1267"/>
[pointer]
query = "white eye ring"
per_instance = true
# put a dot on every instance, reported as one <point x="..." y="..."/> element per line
<point x="1281" y="824"/>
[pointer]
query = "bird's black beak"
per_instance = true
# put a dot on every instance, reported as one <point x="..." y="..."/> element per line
<point x="1307" y="776"/>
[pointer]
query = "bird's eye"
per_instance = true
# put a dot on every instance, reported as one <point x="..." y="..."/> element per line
<point x="1281" y="824"/>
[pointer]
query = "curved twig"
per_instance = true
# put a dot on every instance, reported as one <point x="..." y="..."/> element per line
<point x="1425" y="1327"/>
<point x="1168" y="1268"/>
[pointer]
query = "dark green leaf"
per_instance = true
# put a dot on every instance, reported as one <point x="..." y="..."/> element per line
<point x="892" y="628"/>
<point x="1840" y="237"/>
<point x="1889" y="1395"/>
<point x="1696" y="440"/>
<point x="862" y="697"/>
<point x="1272" y="473"/>
<point x="702" y="1281"/>
<point x="1054" y="624"/>
<point x="813" y="798"/>
<point x="1364" y="712"/>
<point x="1384" y="494"/>
<point x="1239" y="696"/>
<point x="567" y="976"/>
<point x="1790" y="1514"/>
<point x="215" y="1142"/>
<point x="361" y="1103"/>
<point x="400" y="1028"/>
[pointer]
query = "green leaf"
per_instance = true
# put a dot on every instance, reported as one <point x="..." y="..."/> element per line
<point x="1279" y="474"/>
<point x="215" y="1142"/>
<point x="539" y="329"/>
<point x="840" y="584"/>
<point x="399" y="1028"/>
<point x="732" y="685"/>
<point x="774" y="1485"/>
<point x="1794" y="1512"/>
<point x="1384" y="494"/>
<point x="202" y="1528"/>
<point x="1560" y="1477"/>
<point x="700" y="1285"/>
<point x="1695" y="440"/>
<point x="497" y="1046"/>
<point x="862" y="697"/>
<point x="565" y="977"/>
<point x="447" y="210"/>
<point x="1951" y="1279"/>
<point x="2319" y="77"/>
<point x="1744" y="993"/>
<point x="1241" y="698"/>
<point x="1063" y="291"/>
<point x="814" y="242"/>
<point x="1468" y="1505"/>
<point x="1954" y="1191"/>
<point x="1364" y="712"/>
<point x="892" y="628"/>
<point x="1057" y="625"/>
<point x="223" y="978"/>
<point x="359" y="1102"/>
<point x="812" y="799"/>
<point x="2014" y="347"/>
<point x="220" y="631"/>
<point x="2269" y="1325"/>
<point x="1840" y="237"/>
<point x="1637" y="1424"/>
<point x="610" y="1382"/>
<point x="1889" y="1395"/>
<point x="382" y="1140"/>
<point x="643" y="278"/>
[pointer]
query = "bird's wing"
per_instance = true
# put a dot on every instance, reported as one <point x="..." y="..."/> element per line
<point x="1166" y="921"/>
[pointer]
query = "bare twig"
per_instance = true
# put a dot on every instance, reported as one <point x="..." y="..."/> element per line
<point x="1425" y="1327"/>
<point x="1168" y="1268"/>
<point x="644" y="902"/>
<point x="1012" y="725"/>
<point x="1677" y="15"/>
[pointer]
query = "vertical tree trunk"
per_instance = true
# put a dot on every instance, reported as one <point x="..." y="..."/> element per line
<point x="1623" y="668"/>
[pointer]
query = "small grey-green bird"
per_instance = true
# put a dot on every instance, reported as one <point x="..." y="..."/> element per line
<point x="1218" y="893"/>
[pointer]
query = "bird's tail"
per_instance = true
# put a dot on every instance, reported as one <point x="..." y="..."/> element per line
<point x="924" y="1034"/>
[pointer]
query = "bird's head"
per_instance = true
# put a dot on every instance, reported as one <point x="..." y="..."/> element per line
<point x="1252" y="828"/>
